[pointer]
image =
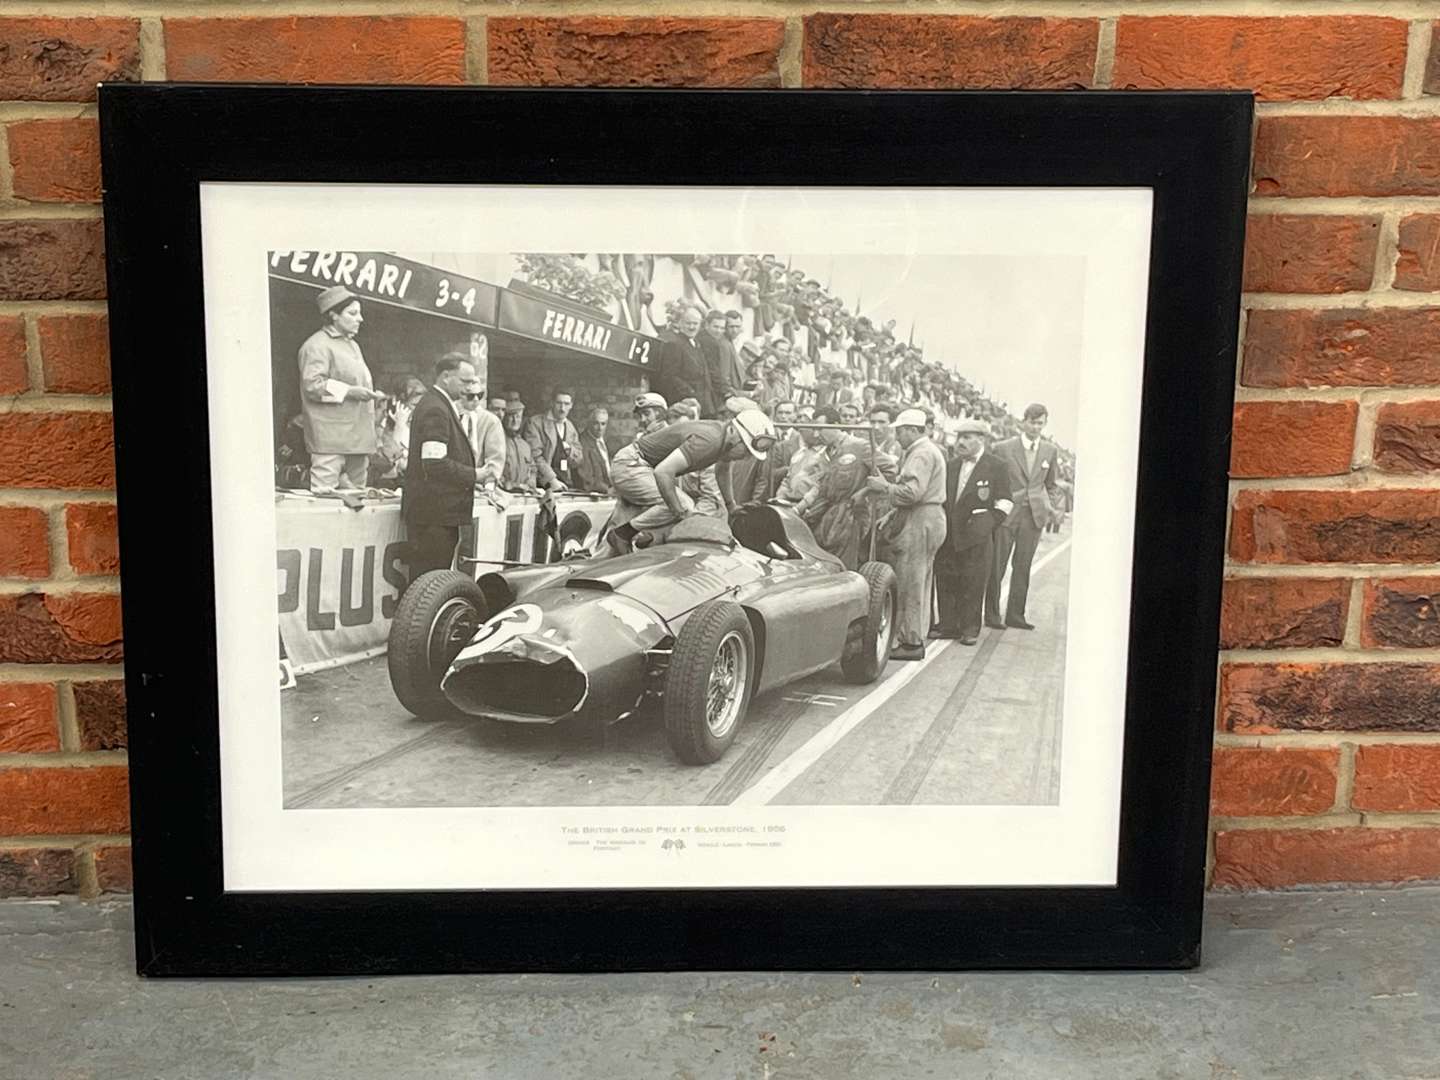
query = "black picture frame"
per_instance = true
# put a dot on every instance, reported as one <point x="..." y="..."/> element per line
<point x="160" y="141"/>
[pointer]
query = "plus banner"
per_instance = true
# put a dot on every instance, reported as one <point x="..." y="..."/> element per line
<point x="340" y="571"/>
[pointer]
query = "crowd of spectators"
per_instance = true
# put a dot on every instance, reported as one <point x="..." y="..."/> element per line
<point x="807" y="346"/>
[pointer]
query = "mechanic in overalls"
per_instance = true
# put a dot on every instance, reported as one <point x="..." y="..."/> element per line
<point x="917" y="531"/>
<point x="645" y="475"/>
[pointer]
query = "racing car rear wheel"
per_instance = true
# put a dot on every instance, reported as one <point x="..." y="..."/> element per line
<point x="707" y="689"/>
<point x="866" y="653"/>
<point x="436" y="616"/>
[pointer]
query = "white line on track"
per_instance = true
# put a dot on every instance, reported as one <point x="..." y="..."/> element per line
<point x="804" y="756"/>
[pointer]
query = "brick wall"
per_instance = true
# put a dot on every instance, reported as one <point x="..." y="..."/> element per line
<point x="1328" y="733"/>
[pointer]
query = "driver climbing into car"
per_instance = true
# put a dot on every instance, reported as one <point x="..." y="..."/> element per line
<point x="645" y="474"/>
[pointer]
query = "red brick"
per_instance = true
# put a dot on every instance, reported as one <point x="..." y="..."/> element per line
<point x="1355" y="347"/>
<point x="100" y="714"/>
<point x="1418" y="266"/>
<point x="1248" y="782"/>
<point x="69" y="628"/>
<point x="948" y="51"/>
<point x="1283" y="613"/>
<point x="1280" y="858"/>
<point x="57" y="450"/>
<point x="1336" y="527"/>
<point x="1347" y="155"/>
<point x="112" y="867"/>
<point x="24" y="542"/>
<point x="1407" y="437"/>
<point x="618" y="51"/>
<point x="55" y="800"/>
<point x="76" y="353"/>
<point x="53" y="259"/>
<point x="1400" y="779"/>
<point x="1310" y="253"/>
<point x="14" y="369"/>
<point x="56" y="160"/>
<point x="1401" y="613"/>
<point x="320" y="49"/>
<point x="1262" y="699"/>
<point x="1432" y="62"/>
<point x="37" y="871"/>
<point x="63" y="59"/>
<point x="1293" y="438"/>
<point x="90" y="532"/>
<point x="27" y="718"/>
<point x="1293" y="58"/>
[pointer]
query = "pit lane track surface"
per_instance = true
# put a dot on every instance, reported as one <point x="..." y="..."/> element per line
<point x="969" y="726"/>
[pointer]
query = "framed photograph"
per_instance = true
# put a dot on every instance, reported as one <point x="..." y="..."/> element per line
<point x="599" y="530"/>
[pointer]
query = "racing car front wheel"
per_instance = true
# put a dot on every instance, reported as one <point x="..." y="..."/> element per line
<point x="436" y="616"/>
<point x="866" y="653"/>
<point x="707" y="689"/>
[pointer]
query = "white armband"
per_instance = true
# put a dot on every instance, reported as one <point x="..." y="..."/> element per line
<point x="334" y="391"/>
<point x="432" y="451"/>
<point x="1004" y="505"/>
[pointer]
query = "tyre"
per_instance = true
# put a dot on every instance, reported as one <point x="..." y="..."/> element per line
<point x="436" y="616"/>
<point x="707" y="689"/>
<point x="867" y="653"/>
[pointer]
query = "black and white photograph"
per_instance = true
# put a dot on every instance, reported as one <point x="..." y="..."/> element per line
<point x="708" y="566"/>
<point x="644" y="529"/>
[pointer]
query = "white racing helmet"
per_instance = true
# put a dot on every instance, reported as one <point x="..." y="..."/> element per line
<point x="752" y="423"/>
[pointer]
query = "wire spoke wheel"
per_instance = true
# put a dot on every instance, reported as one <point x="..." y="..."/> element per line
<point x="727" y="681"/>
<point x="709" y="681"/>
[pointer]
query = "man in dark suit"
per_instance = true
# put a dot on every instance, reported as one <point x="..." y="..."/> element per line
<point x="681" y="369"/>
<point x="723" y="366"/>
<point x="593" y="472"/>
<point x="977" y="499"/>
<point x="1034" y="479"/>
<point x="439" y="493"/>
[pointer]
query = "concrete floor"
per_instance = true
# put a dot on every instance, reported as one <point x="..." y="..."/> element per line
<point x="1323" y="985"/>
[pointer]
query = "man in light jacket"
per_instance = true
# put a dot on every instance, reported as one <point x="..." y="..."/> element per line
<point x="556" y="442"/>
<point x="337" y="396"/>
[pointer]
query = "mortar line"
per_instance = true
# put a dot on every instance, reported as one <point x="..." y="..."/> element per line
<point x="1387" y="251"/>
<point x="49" y="673"/>
<point x="152" y="49"/>
<point x="45" y="499"/>
<point x="1328" y="820"/>
<point x="1369" y="300"/>
<point x="1318" y="740"/>
<point x="1345" y="778"/>
<point x="1355" y="614"/>
<point x="65" y="759"/>
<point x="1234" y="568"/>
<point x="64" y="840"/>
<point x="791" y="60"/>
<point x="477" y="51"/>
<point x="1362" y="455"/>
<point x="19" y="210"/>
<point x="1333" y="654"/>
<point x="7" y="168"/>
<point x="1368" y="480"/>
<point x="1417" y="56"/>
<point x="1104" y="74"/>
<point x="59" y="548"/>
<point x="1378" y="395"/>
<point x="67" y="717"/>
<point x="87" y="877"/>
<point x="34" y="362"/>
<point x="62" y="586"/>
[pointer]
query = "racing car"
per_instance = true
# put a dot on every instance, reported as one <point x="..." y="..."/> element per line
<point x="703" y="622"/>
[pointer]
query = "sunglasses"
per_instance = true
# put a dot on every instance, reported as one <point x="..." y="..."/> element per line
<point x="763" y="442"/>
<point x="471" y="397"/>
